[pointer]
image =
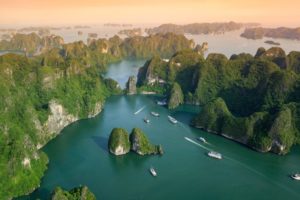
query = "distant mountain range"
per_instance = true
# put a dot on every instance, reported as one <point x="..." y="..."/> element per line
<point x="200" y="28"/>
<point x="281" y="32"/>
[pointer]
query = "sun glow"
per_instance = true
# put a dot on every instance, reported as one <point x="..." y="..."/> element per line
<point x="268" y="12"/>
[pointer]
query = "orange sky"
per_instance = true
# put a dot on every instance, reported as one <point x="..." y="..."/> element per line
<point x="38" y="12"/>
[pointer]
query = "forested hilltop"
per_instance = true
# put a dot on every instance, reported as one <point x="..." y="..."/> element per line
<point x="40" y="95"/>
<point x="254" y="100"/>
<point x="134" y="47"/>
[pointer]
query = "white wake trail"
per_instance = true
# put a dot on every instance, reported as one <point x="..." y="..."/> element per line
<point x="196" y="143"/>
<point x="140" y="110"/>
<point x="246" y="167"/>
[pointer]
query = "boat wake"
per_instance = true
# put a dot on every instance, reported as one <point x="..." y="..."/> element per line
<point x="182" y="125"/>
<point x="196" y="143"/>
<point x="245" y="166"/>
<point x="140" y="110"/>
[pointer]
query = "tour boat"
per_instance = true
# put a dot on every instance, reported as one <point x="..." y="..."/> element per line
<point x="173" y="120"/>
<point x="296" y="176"/>
<point x="155" y="114"/>
<point x="153" y="172"/>
<point x="214" y="154"/>
<point x="201" y="139"/>
<point x="146" y="120"/>
<point x="162" y="103"/>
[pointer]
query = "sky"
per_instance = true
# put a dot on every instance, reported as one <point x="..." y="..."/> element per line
<point x="64" y="12"/>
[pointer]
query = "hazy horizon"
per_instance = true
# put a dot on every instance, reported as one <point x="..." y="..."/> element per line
<point x="67" y="12"/>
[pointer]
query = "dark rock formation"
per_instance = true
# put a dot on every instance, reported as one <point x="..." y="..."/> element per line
<point x="201" y="49"/>
<point x="176" y="96"/>
<point x="131" y="85"/>
<point x="271" y="42"/>
<point x="118" y="143"/>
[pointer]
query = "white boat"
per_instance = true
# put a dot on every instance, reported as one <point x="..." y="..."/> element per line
<point x="295" y="177"/>
<point x="162" y="103"/>
<point x="155" y="114"/>
<point x="173" y="120"/>
<point x="146" y="120"/>
<point x="201" y="139"/>
<point x="214" y="154"/>
<point x="153" y="172"/>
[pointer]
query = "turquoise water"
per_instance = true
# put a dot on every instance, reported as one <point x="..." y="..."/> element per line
<point x="121" y="71"/>
<point x="79" y="155"/>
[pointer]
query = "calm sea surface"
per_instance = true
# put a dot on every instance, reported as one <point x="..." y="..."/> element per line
<point x="79" y="156"/>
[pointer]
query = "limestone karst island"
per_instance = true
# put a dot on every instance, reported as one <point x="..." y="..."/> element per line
<point x="151" y="100"/>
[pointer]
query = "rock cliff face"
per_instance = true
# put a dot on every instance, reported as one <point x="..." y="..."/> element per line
<point x="176" y="96"/>
<point x="141" y="144"/>
<point x="58" y="119"/>
<point x="118" y="143"/>
<point x="201" y="49"/>
<point x="131" y="85"/>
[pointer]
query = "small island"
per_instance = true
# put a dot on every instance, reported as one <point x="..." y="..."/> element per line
<point x="92" y="35"/>
<point x="281" y="32"/>
<point x="271" y="42"/>
<point x="78" y="193"/>
<point x="131" y="32"/>
<point x="81" y="27"/>
<point x="120" y="143"/>
<point x="117" y="25"/>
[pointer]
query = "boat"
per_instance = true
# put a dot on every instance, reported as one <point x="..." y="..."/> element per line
<point x="214" y="154"/>
<point x="162" y="103"/>
<point x="155" y="114"/>
<point x="296" y="176"/>
<point x="153" y="172"/>
<point x="201" y="139"/>
<point x="173" y="120"/>
<point x="146" y="120"/>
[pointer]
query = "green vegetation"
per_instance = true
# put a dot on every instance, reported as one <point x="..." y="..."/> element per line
<point x="31" y="43"/>
<point x="141" y="144"/>
<point x="155" y="88"/>
<point x="27" y="89"/>
<point x="164" y="45"/>
<point x="176" y="96"/>
<point x="78" y="193"/>
<point x="253" y="100"/>
<point x="56" y="83"/>
<point x="118" y="142"/>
